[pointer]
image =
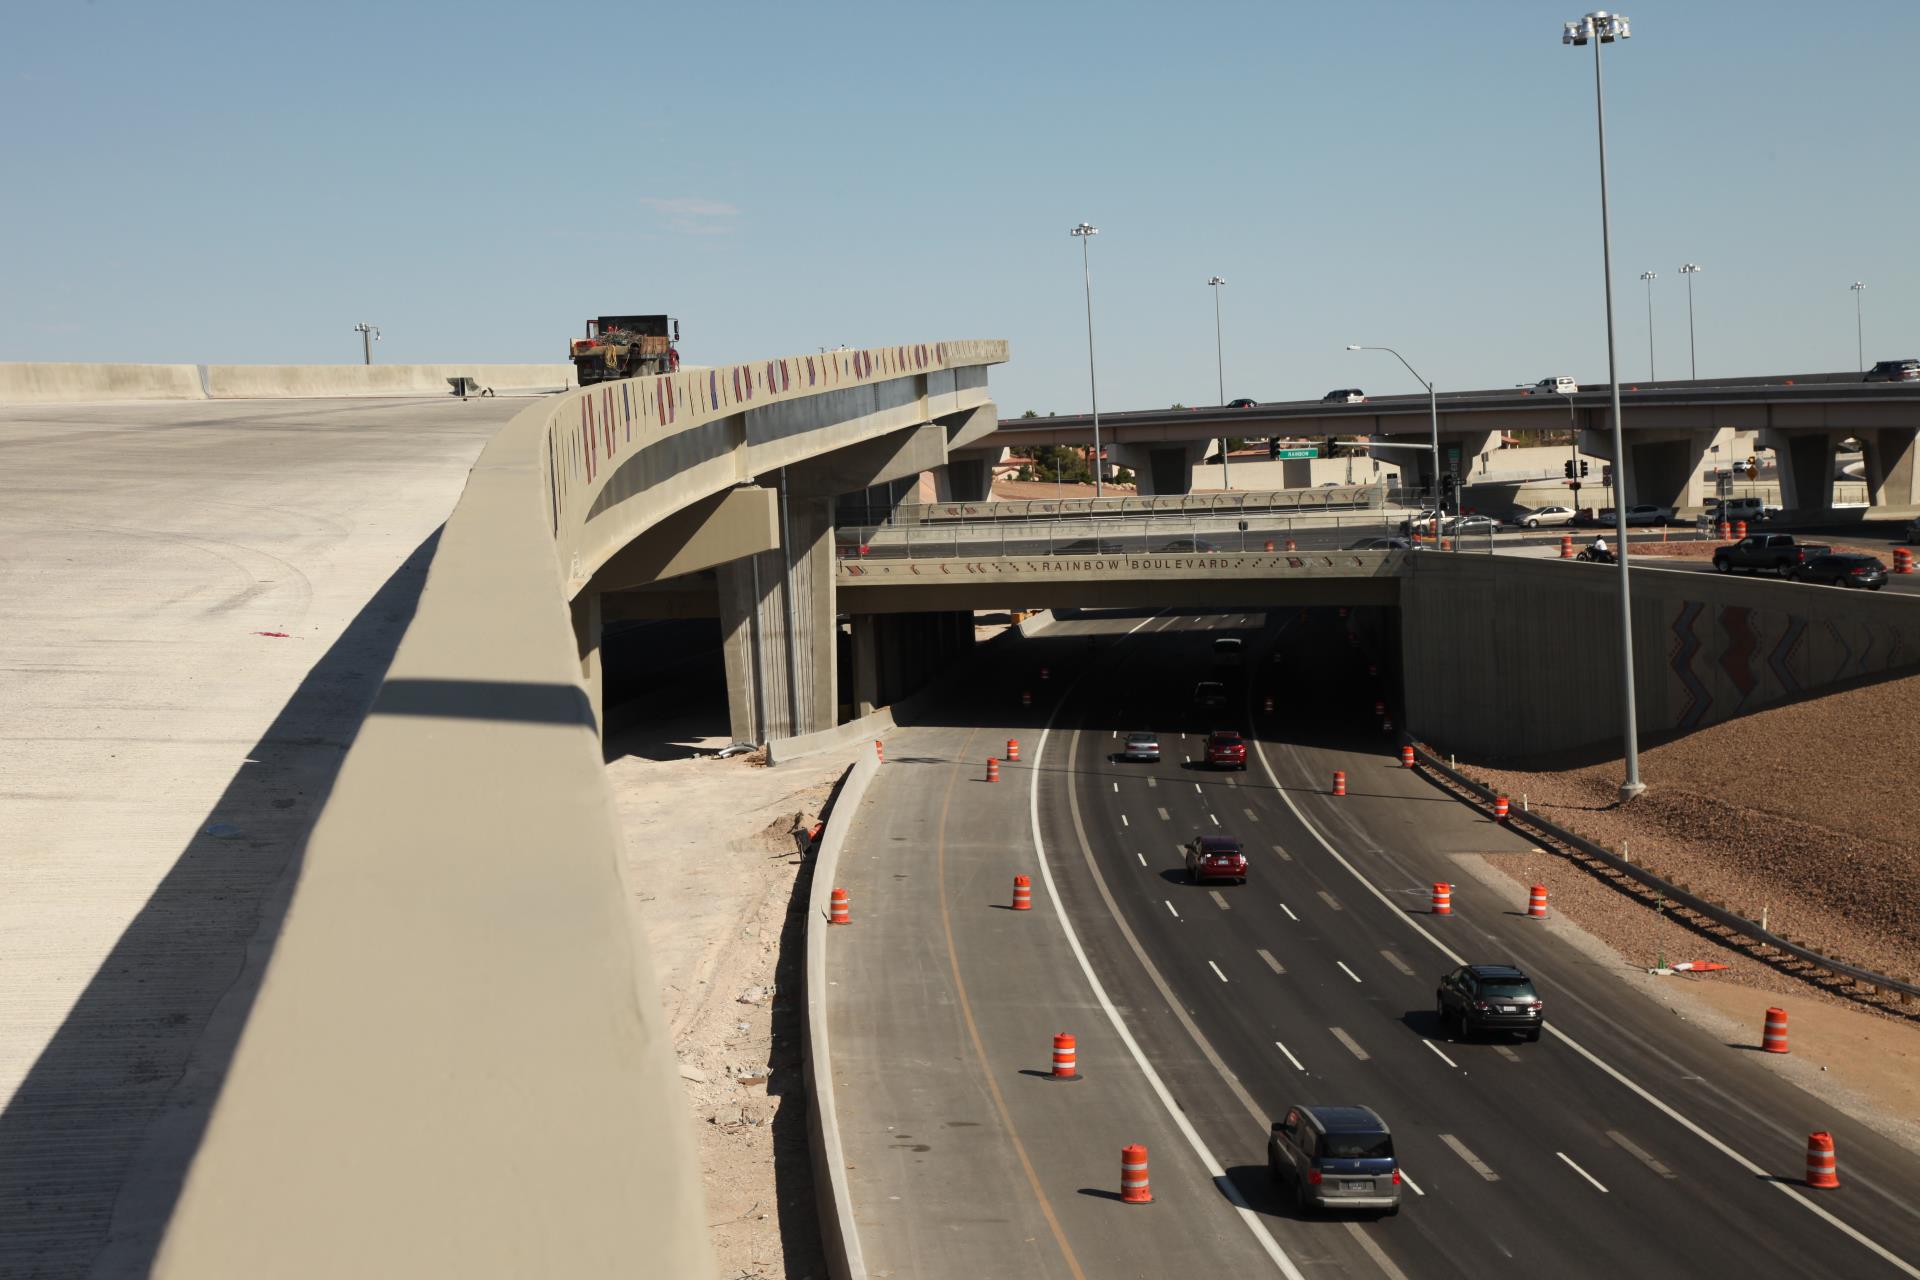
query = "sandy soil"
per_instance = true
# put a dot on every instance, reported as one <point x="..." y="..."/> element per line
<point x="1703" y="549"/>
<point x="1755" y="813"/>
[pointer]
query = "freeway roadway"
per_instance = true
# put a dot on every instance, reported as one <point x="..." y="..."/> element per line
<point x="1625" y="1142"/>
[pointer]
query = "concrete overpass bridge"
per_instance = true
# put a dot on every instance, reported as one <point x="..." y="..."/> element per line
<point x="1672" y="429"/>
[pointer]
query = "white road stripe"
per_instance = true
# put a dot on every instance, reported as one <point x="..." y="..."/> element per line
<point x="1474" y="1162"/>
<point x="1124" y="822"/>
<point x="1176" y="914"/>
<point x="1116" y="788"/>
<point x="1397" y="962"/>
<point x="1116" y="733"/>
<point x="1353" y="1046"/>
<point x="1272" y="964"/>
<point x="1219" y="901"/>
<point x="1331" y="901"/>
<point x="1215" y="821"/>
<point x="1152" y="781"/>
<point x="1582" y="1172"/>
<point x="1408" y="1179"/>
<point x="1290" y="1058"/>
<point x="1443" y="1057"/>
<point x="1350" y="973"/>
<point x="1375" y="1252"/>
<point x="1216" y="971"/>
<point x="1284" y="855"/>
<point x="1196" y="789"/>
<point x="1627" y="1145"/>
<point x="1506" y="1051"/>
<point x="1289" y="910"/>
<point x="1142" y="857"/>
<point x="1163" y="815"/>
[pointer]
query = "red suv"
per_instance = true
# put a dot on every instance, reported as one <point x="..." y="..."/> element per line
<point x="1215" y="858"/>
<point x="1226" y="749"/>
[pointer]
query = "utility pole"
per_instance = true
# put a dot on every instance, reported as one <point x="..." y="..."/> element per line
<point x="369" y="333"/>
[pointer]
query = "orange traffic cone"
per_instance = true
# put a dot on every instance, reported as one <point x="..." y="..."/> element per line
<point x="880" y="749"/>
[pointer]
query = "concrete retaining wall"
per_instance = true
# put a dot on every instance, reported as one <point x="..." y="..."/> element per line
<point x="266" y="381"/>
<point x="1506" y="657"/>
<point x="839" y="1235"/>
<point x="52" y="383"/>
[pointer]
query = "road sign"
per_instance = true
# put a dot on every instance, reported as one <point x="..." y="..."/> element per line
<point x="1296" y="453"/>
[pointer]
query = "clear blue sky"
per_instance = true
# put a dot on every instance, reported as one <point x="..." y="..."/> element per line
<point x="220" y="182"/>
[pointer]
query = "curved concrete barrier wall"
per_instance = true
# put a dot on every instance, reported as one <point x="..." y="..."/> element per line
<point x="457" y="1062"/>
<point x="264" y="381"/>
<point x="55" y="383"/>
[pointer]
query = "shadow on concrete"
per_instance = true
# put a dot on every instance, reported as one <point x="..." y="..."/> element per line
<point x="96" y="1142"/>
<point x="802" y="1253"/>
<point x="665" y="688"/>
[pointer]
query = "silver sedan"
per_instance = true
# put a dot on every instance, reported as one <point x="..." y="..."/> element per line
<point x="1141" y="746"/>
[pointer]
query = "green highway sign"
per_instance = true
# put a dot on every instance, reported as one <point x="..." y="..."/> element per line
<point x="1296" y="453"/>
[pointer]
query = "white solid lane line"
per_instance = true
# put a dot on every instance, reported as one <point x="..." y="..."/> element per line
<point x="1375" y="1252"/>
<point x="1627" y="1145"/>
<point x="1176" y="914"/>
<point x="1582" y="1172"/>
<point x="1474" y="1162"/>
<point x="1443" y="1057"/>
<point x="1350" y="973"/>
<point x="1353" y="1046"/>
<point x="1219" y="901"/>
<point x="1272" y="964"/>
<point x="1397" y="962"/>
<point x="1290" y="1058"/>
<point x="1331" y="901"/>
<point x="1216" y="971"/>
<point x="1289" y="910"/>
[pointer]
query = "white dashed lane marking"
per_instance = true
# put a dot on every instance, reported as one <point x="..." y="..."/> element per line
<point x="1219" y="901"/>
<point x="1627" y="1145"/>
<point x="1284" y="855"/>
<point x="1163" y="815"/>
<point x="1474" y="1162"/>
<point x="1215" y="821"/>
<point x="1353" y="1046"/>
<point x="1506" y="1052"/>
<point x="1295" y="1061"/>
<point x="1176" y="914"/>
<point x="1350" y="973"/>
<point x="1332" y="902"/>
<point x="1272" y="964"/>
<point x="1443" y="1057"/>
<point x="1582" y="1172"/>
<point x="1251" y="815"/>
<point x="1124" y="822"/>
<point x="1397" y="962"/>
<point x="1289" y="910"/>
<point x="1216" y="971"/>
<point x="1142" y="857"/>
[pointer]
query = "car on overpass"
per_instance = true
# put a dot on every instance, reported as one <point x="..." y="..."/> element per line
<point x="1541" y="517"/>
<point x="1843" y="569"/>
<point x="1216" y="858"/>
<point x="1561" y="385"/>
<point x="1243" y="403"/>
<point x="1470" y="524"/>
<point x="1895" y="371"/>
<point x="1186" y="544"/>
<point x="1643" y="513"/>
<point x="1344" y="395"/>
<point x="1383" y="544"/>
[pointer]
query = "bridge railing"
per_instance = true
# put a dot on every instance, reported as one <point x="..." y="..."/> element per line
<point x="1224" y="533"/>
<point x="1344" y="498"/>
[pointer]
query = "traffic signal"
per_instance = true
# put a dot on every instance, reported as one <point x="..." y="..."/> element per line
<point x="1567" y="468"/>
<point x="1583" y="466"/>
<point x="1273" y="449"/>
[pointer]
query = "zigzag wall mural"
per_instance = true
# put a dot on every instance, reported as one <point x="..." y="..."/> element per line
<point x="1726" y="660"/>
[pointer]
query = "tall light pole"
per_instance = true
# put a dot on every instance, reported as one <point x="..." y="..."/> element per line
<point x="1220" y="373"/>
<point x="1433" y="417"/>
<point x="1650" y="277"/>
<point x="369" y="334"/>
<point x="1600" y="29"/>
<point x="1690" y="270"/>
<point x="1085" y="231"/>
<point x="1859" y="334"/>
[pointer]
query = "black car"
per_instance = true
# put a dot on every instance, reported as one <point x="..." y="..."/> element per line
<point x="1243" y="404"/>
<point x="1382" y="544"/>
<point x="1187" y="544"/>
<point x="1895" y="371"/>
<point x="1843" y="570"/>
<point x="1489" y="997"/>
<point x="1344" y="395"/>
<point x="1089" y="547"/>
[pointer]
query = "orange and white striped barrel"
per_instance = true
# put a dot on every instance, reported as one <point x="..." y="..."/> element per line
<point x="1134" y="1188"/>
<point x="1566" y="546"/>
<point x="1026" y="697"/>
<point x="1386" y="726"/>
<point x="1266" y="704"/>
<point x="1066" y="1061"/>
<point x="1022" y="894"/>
<point x="880" y="749"/>
<point x="1442" y="898"/>
<point x="1500" y="808"/>
<point x="1773" y="1038"/>
<point x="1902" y="560"/>
<point x="1739" y="528"/>
<point x="1269" y="544"/>
<point x="1044" y="673"/>
<point x="1823" y="1167"/>
<point x="1339" y="782"/>
<point x="1406" y="757"/>
<point x="1013" y="750"/>
<point x="840" y="914"/>
<point x="1291" y="545"/>
<point x="993" y="769"/>
<point x="1537" y="902"/>
<point x="1379" y="707"/>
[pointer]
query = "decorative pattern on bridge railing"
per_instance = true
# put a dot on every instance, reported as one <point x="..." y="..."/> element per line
<point x="589" y="427"/>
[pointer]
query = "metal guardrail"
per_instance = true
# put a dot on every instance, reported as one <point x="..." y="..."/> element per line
<point x="1193" y="535"/>
<point x="1368" y="497"/>
<point x="1667" y="889"/>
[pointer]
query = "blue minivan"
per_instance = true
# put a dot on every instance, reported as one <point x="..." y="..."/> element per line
<point x="1336" y="1158"/>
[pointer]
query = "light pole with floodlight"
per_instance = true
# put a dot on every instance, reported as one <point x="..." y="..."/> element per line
<point x="1433" y="417"/>
<point x="1690" y="270"/>
<point x="1220" y="373"/>
<point x="1084" y="232"/>
<point x="1650" y="277"/>
<point x="1859" y="334"/>
<point x="1599" y="29"/>
<point x="369" y="334"/>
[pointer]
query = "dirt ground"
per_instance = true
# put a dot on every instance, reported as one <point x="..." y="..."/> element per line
<point x="1703" y="548"/>
<point x="1801" y="814"/>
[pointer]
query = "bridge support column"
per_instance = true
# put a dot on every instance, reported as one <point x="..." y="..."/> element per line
<point x="587" y="622"/>
<point x="1893" y="480"/>
<point x="1804" y="462"/>
<point x="778" y="630"/>
<point x="1159" y="468"/>
<point x="867" y="695"/>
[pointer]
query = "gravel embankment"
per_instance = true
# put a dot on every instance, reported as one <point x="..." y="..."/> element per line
<point x="1802" y="812"/>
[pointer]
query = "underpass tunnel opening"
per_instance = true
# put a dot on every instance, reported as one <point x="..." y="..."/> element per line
<point x="664" y="682"/>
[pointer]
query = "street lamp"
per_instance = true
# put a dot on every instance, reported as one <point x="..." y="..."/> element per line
<point x="1859" y="338"/>
<point x="1085" y="231"/>
<point x="1601" y="28"/>
<point x="1690" y="270"/>
<point x="1220" y="372"/>
<point x="1433" y="415"/>
<point x="1650" y="277"/>
<point x="369" y="334"/>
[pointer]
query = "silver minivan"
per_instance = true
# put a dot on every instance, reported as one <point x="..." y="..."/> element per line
<point x="1336" y="1157"/>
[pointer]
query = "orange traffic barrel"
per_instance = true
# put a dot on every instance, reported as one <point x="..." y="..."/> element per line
<point x="1902" y="560"/>
<point x="1373" y="669"/>
<point x="1013" y="750"/>
<point x="1442" y="898"/>
<point x="1379" y="707"/>
<point x="1044" y="673"/>
<point x="1500" y="808"/>
<point x="1823" y="1170"/>
<point x="1026" y="698"/>
<point x="993" y="769"/>
<point x="1066" y="1062"/>
<point x="1720" y="529"/>
<point x="1291" y="546"/>
<point x="1343" y="611"/>
<point x="1773" y="1038"/>
<point x="1537" y="902"/>
<point x="1353" y="639"/>
<point x="1022" y="894"/>
<point x="1566" y="546"/>
<point x="1269" y="544"/>
<point x="1739" y="528"/>
<point x="840" y="914"/>
<point x="1406" y="757"/>
<point x="1133" y="1175"/>
<point x="1386" y="726"/>
<point x="1339" y="782"/>
<point x="880" y="749"/>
